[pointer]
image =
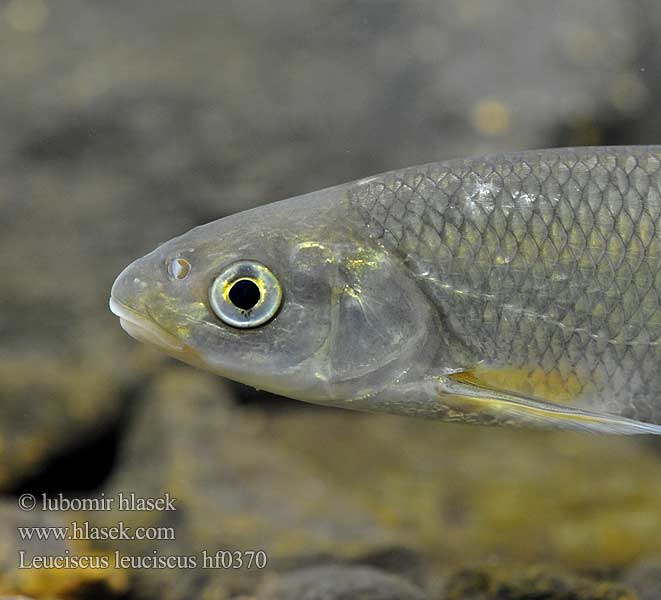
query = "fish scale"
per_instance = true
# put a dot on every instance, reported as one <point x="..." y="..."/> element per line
<point x="544" y="260"/>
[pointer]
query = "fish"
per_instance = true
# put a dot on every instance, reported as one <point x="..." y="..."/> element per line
<point x="516" y="289"/>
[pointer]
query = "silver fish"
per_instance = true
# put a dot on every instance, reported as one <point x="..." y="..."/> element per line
<point x="517" y="289"/>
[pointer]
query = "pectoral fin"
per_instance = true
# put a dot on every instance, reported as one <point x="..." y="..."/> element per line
<point x="464" y="392"/>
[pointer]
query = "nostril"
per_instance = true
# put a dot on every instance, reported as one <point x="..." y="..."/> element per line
<point x="179" y="268"/>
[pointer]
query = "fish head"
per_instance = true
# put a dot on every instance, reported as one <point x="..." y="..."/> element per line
<point x="291" y="298"/>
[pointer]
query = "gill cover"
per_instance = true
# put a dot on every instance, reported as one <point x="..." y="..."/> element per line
<point x="379" y="319"/>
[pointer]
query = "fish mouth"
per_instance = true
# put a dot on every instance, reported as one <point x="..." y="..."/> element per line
<point x="143" y="329"/>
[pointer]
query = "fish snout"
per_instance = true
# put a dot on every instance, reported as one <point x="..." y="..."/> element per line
<point x="129" y="301"/>
<point x="127" y="288"/>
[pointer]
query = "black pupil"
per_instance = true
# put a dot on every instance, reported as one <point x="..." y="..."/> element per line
<point x="244" y="294"/>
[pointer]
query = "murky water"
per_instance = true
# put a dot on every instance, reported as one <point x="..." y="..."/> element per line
<point x="126" y="123"/>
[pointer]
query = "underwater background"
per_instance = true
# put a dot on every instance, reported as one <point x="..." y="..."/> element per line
<point x="126" y="123"/>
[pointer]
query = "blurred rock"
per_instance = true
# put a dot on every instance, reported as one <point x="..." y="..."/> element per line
<point x="234" y="491"/>
<point x="401" y="561"/>
<point x="46" y="404"/>
<point x="466" y="493"/>
<point x="645" y="579"/>
<point x="340" y="583"/>
<point x="89" y="580"/>
<point x="528" y="583"/>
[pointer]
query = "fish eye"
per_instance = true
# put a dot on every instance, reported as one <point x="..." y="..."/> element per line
<point x="245" y="294"/>
<point x="179" y="268"/>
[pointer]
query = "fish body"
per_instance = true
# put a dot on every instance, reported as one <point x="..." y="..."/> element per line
<point x="515" y="289"/>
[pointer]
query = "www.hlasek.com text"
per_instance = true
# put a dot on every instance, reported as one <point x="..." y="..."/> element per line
<point x="83" y="530"/>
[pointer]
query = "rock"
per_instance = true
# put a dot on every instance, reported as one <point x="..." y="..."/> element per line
<point x="528" y="583"/>
<point x="46" y="405"/>
<point x="340" y="583"/>
<point x="28" y="567"/>
<point x="402" y="561"/>
<point x="465" y="493"/>
<point x="234" y="491"/>
<point x="645" y="579"/>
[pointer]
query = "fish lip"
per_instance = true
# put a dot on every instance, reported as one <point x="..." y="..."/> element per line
<point x="143" y="329"/>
